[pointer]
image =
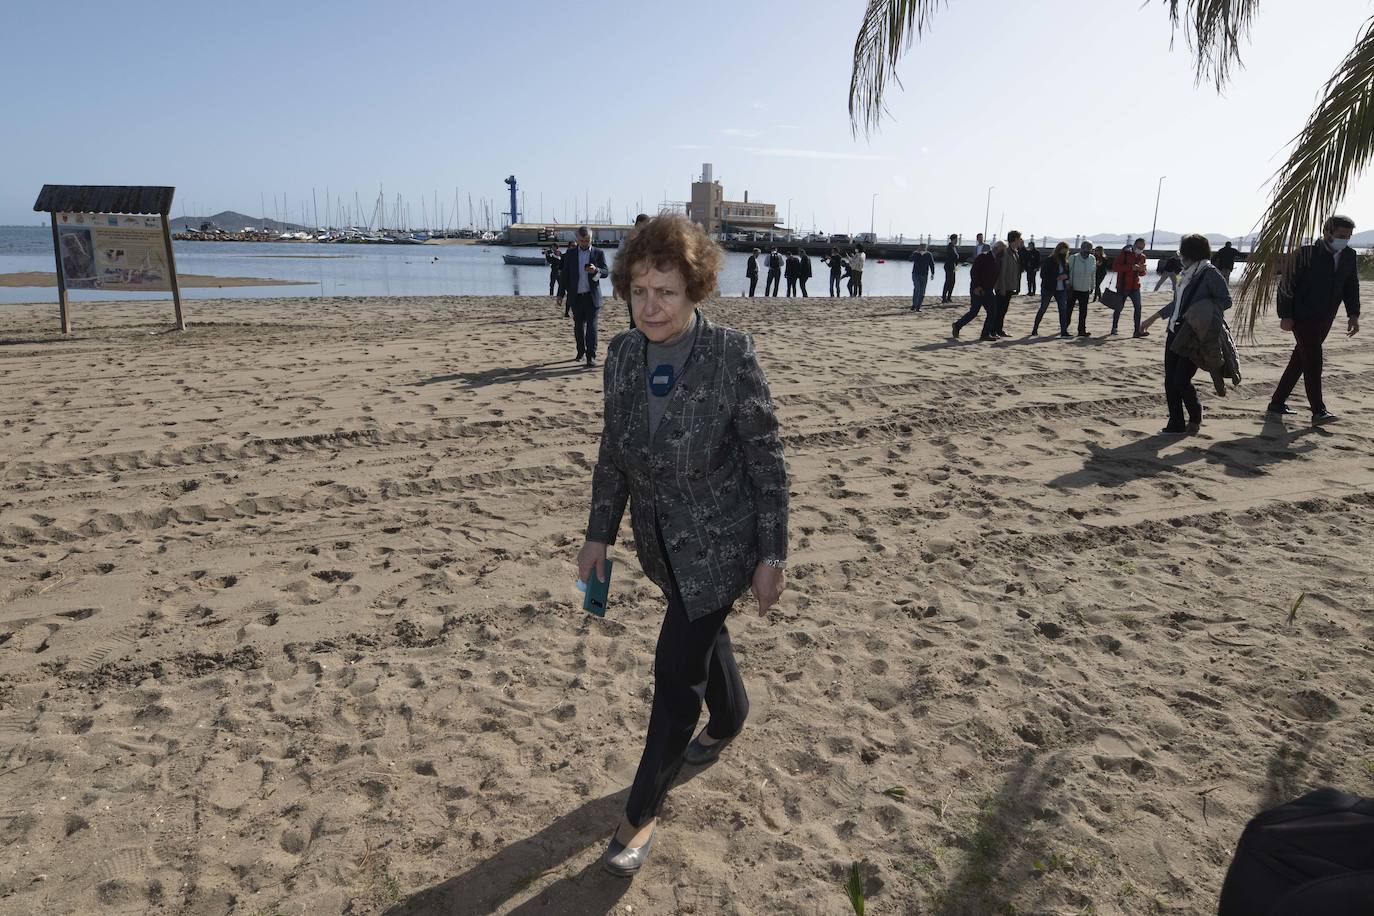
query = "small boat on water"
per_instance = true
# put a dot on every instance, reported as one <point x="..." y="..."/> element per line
<point x="524" y="260"/>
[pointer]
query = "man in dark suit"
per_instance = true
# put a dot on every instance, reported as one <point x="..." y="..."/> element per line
<point x="774" y="263"/>
<point x="1321" y="278"/>
<point x="584" y="267"/>
<point x="751" y="270"/>
<point x="1030" y="263"/>
<point x="951" y="266"/>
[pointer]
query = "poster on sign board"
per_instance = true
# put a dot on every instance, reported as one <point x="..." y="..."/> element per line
<point x="113" y="251"/>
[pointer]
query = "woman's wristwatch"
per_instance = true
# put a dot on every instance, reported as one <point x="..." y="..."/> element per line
<point x="774" y="562"/>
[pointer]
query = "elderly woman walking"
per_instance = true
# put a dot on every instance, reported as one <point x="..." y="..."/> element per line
<point x="691" y="443"/>
<point x="1199" y="282"/>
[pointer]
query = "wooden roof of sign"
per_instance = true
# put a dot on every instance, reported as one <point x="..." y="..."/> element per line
<point x="104" y="198"/>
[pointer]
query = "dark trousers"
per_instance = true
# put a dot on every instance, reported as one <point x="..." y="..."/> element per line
<point x="976" y="301"/>
<point x="1133" y="296"/>
<point x="947" y="293"/>
<point x="801" y="281"/>
<point x="1030" y="281"/>
<point x="753" y="284"/>
<point x="995" y="318"/>
<point x="856" y="283"/>
<point x="770" y="286"/>
<point x="1061" y="299"/>
<point x="554" y="283"/>
<point x="1080" y="299"/>
<point x="693" y="662"/>
<point x="791" y="286"/>
<point x="584" y="324"/>
<point x="1178" y="387"/>
<point x="834" y="284"/>
<point x="1306" y="361"/>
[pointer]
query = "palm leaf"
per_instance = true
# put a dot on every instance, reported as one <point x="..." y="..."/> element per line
<point x="1214" y="30"/>
<point x="889" y="27"/>
<point x="1334" y="148"/>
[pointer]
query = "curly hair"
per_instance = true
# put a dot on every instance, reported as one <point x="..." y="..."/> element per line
<point x="670" y="242"/>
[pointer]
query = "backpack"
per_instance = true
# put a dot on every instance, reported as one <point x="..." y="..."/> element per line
<point x="1311" y="856"/>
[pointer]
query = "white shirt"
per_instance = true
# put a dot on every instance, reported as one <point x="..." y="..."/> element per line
<point x="856" y="261"/>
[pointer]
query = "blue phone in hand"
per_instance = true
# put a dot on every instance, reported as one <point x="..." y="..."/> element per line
<point x="597" y="591"/>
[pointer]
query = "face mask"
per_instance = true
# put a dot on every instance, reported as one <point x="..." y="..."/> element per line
<point x="1339" y="244"/>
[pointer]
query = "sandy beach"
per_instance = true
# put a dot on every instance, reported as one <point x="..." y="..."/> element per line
<point x="288" y="624"/>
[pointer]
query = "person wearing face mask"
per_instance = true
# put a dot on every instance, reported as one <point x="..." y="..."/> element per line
<point x="1054" y="284"/>
<point x="1200" y="281"/>
<point x="1083" y="279"/>
<point x="690" y="441"/>
<point x="1129" y="267"/>
<point x="1323" y="276"/>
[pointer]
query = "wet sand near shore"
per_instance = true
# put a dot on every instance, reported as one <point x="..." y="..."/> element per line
<point x="288" y="624"/>
<point x="42" y="280"/>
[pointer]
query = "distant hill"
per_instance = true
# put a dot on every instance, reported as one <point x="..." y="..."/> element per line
<point x="233" y="222"/>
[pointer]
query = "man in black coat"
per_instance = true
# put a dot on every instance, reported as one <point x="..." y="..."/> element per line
<point x="1225" y="259"/>
<point x="1320" y="279"/>
<point x="1030" y="263"/>
<point x="774" y="263"/>
<point x="951" y="266"/>
<point x="803" y="270"/>
<point x="751" y="270"/>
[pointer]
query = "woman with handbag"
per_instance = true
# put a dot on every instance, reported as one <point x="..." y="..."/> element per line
<point x="1198" y="282"/>
<point x="691" y="442"/>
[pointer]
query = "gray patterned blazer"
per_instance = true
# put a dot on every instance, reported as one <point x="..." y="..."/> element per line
<point x="712" y="477"/>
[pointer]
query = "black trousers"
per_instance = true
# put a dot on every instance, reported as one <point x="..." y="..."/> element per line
<point x="693" y="662"/>
<point x="1178" y="387"/>
<point x="801" y="281"/>
<point x="835" y="284"/>
<point x="1080" y="299"/>
<point x="770" y="286"/>
<point x="976" y="301"/>
<point x="791" y="286"/>
<point x="948" y="292"/>
<point x="1030" y="281"/>
<point x="753" y="283"/>
<point x="554" y="283"/>
<point x="584" y="324"/>
<point x="995" y="320"/>
<point x="856" y="283"/>
<point x="1306" y="361"/>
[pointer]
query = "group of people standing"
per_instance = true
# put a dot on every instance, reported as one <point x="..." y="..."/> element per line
<point x="795" y="268"/>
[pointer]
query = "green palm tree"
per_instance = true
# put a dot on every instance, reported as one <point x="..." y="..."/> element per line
<point x="1333" y="147"/>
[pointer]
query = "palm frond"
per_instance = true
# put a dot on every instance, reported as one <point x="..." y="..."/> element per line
<point x="889" y="27"/>
<point x="1215" y="30"/>
<point x="1334" y="148"/>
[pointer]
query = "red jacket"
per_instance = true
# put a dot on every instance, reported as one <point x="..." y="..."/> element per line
<point x="983" y="272"/>
<point x="1127" y="274"/>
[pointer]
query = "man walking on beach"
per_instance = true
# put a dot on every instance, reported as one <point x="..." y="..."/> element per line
<point x="1322" y="277"/>
<point x="978" y="245"/>
<point x="982" y="277"/>
<point x="1225" y="260"/>
<point x="774" y="262"/>
<point x="554" y="258"/>
<point x="922" y="271"/>
<point x="584" y="267"/>
<point x="791" y="270"/>
<point x="1030" y="263"/>
<point x="1129" y="267"/>
<point x="803" y="269"/>
<point x="951" y="266"/>
<point x="1008" y="283"/>
<point x="1082" y="281"/>
<point x="751" y="270"/>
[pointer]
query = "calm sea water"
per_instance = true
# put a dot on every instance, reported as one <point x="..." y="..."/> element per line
<point x="386" y="270"/>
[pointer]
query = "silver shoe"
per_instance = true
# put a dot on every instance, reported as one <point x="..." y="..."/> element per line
<point x="624" y="861"/>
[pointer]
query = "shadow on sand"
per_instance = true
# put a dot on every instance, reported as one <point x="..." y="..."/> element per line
<point x="509" y="375"/>
<point x="1246" y="456"/>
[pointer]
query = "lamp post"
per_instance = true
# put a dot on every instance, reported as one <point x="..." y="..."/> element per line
<point x="872" y="210"/>
<point x="1153" y="225"/>
<point x="986" y="210"/>
<point x="789" y="216"/>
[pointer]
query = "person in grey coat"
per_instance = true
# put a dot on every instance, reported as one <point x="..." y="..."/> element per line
<point x="690" y="442"/>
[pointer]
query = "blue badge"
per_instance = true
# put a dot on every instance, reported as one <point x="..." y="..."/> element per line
<point x="661" y="380"/>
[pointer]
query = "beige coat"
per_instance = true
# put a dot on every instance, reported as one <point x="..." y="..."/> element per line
<point x="1009" y="272"/>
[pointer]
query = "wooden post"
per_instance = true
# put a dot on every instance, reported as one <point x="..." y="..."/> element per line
<point x="172" y="266"/>
<point x="61" y="280"/>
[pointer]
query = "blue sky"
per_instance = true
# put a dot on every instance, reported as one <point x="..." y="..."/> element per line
<point x="1072" y="110"/>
